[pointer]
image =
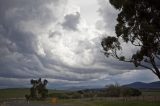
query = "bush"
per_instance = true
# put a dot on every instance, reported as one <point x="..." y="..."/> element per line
<point x="130" y="92"/>
<point x="113" y="91"/>
<point x="117" y="91"/>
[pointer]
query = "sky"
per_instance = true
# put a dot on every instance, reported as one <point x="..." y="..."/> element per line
<point x="60" y="40"/>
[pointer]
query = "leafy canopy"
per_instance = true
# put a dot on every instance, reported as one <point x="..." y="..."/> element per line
<point x="138" y="24"/>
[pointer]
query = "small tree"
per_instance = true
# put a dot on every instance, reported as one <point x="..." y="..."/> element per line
<point x="113" y="90"/>
<point x="117" y="91"/>
<point x="139" y="25"/>
<point x="38" y="89"/>
<point x="130" y="92"/>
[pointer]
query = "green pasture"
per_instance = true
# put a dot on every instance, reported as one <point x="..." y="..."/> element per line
<point x="13" y="93"/>
<point x="20" y="93"/>
<point x="101" y="102"/>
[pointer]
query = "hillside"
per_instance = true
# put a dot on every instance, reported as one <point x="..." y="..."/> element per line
<point x="142" y="85"/>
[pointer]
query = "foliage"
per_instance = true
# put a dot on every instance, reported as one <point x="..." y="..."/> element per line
<point x="130" y="92"/>
<point x="117" y="91"/>
<point x="110" y="91"/>
<point x="113" y="91"/>
<point x="38" y="89"/>
<point x="139" y="25"/>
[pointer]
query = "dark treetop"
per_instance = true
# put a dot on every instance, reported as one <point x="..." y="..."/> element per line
<point x="138" y="24"/>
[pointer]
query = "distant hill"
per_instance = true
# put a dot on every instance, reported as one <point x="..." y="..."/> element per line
<point x="142" y="85"/>
<point x="138" y="85"/>
<point x="77" y="88"/>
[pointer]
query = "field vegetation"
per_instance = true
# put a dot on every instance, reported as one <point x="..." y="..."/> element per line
<point x="72" y="98"/>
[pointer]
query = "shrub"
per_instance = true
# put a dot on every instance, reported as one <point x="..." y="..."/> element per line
<point x="117" y="91"/>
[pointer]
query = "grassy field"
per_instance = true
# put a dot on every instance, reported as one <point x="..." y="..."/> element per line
<point x="113" y="102"/>
<point x="151" y="93"/>
<point x="103" y="102"/>
<point x="13" y="93"/>
<point x="19" y="93"/>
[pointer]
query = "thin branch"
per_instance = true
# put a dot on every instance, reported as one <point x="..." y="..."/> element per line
<point x="157" y="57"/>
<point x="155" y="66"/>
<point x="147" y="68"/>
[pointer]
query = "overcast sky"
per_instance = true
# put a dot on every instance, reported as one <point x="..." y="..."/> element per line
<point x="60" y="40"/>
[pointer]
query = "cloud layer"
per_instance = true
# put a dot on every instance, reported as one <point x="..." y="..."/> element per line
<point x="50" y="39"/>
<point x="71" y="21"/>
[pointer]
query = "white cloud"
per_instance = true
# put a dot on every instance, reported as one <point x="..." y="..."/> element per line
<point x="88" y="9"/>
<point x="33" y="43"/>
<point x="109" y="15"/>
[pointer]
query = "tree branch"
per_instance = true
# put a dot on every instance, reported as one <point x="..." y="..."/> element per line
<point x="157" y="57"/>
<point x="118" y="57"/>
<point x="147" y="68"/>
<point x="155" y="67"/>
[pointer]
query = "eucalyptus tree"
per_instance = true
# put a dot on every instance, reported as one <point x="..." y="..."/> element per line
<point x="139" y="25"/>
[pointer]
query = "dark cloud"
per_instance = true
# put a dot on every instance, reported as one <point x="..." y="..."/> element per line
<point x="55" y="33"/>
<point x="21" y="10"/>
<point x="33" y="45"/>
<point x="18" y="37"/>
<point x="71" y="21"/>
<point x="14" y="82"/>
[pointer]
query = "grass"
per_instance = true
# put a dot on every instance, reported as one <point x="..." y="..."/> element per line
<point x="13" y="93"/>
<point x="48" y="101"/>
<point x="101" y="102"/>
<point x="151" y="93"/>
<point x="105" y="102"/>
<point x="19" y="93"/>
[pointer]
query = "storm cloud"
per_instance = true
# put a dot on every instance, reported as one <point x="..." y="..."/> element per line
<point x="48" y="39"/>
